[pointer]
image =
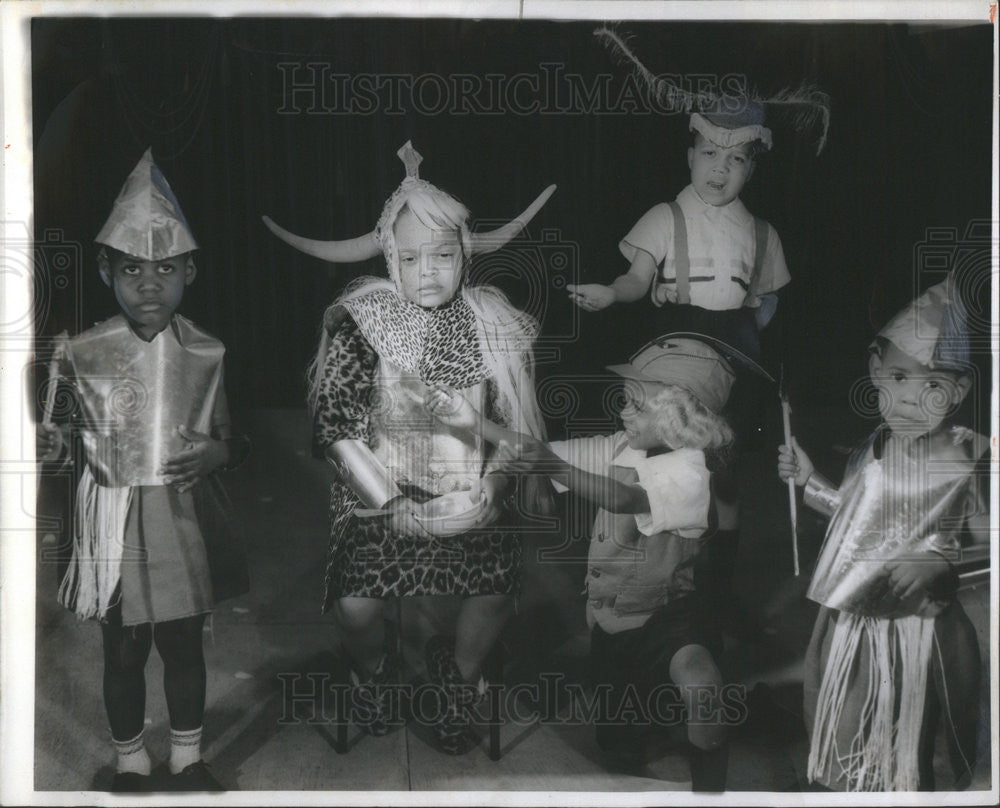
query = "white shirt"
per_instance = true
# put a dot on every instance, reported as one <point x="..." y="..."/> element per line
<point x="721" y="247"/>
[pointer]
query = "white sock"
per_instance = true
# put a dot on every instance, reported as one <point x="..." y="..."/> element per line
<point x="185" y="748"/>
<point x="132" y="756"/>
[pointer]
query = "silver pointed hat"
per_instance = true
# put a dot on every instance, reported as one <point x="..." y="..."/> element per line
<point x="146" y="220"/>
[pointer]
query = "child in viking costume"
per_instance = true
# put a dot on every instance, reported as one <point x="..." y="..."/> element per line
<point x="653" y="646"/>
<point x="384" y="343"/>
<point x="152" y="414"/>
<point x="893" y="654"/>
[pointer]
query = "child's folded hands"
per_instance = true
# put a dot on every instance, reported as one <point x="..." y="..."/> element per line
<point x="916" y="573"/>
<point x="451" y="408"/>
<point x="201" y="455"/>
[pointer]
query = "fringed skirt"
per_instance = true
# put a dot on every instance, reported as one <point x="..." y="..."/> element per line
<point x="167" y="555"/>
<point x="875" y="691"/>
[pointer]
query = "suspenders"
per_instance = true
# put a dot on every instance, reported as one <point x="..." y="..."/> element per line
<point x="682" y="258"/>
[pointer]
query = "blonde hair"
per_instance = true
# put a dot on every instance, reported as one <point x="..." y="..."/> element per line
<point x="434" y="209"/>
<point x="683" y="422"/>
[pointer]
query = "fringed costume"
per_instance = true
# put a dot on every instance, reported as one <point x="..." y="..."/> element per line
<point x="134" y="538"/>
<point x="880" y="670"/>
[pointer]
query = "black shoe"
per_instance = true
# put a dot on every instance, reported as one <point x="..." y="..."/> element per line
<point x="131" y="783"/>
<point x="372" y="706"/>
<point x="709" y="768"/>
<point x="453" y="729"/>
<point x="195" y="777"/>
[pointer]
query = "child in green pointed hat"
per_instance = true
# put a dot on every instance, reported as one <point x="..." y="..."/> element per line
<point x="155" y="426"/>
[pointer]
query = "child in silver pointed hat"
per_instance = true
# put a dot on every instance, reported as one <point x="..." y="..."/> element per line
<point x="704" y="256"/>
<point x="152" y="414"/>
<point x="892" y="651"/>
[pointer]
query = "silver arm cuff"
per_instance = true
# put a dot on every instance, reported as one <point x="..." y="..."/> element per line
<point x="821" y="495"/>
<point x="363" y="473"/>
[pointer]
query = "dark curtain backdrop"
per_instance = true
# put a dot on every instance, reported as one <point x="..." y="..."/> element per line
<point x="908" y="150"/>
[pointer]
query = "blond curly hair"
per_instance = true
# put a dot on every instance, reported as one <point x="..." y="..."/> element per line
<point x="682" y="421"/>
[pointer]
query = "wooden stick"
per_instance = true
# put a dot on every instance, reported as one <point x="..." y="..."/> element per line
<point x="786" y="412"/>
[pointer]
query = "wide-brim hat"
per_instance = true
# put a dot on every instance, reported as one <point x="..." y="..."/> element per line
<point x="686" y="361"/>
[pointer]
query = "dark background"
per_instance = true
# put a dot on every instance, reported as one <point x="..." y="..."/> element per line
<point x="899" y="195"/>
<point x="908" y="150"/>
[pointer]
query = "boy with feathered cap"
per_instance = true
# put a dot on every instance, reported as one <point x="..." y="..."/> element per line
<point x="893" y="654"/>
<point x="151" y="410"/>
<point x="713" y="268"/>
<point x="704" y="256"/>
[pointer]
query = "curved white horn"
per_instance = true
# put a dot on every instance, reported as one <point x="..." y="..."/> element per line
<point x="495" y="239"/>
<point x="347" y="251"/>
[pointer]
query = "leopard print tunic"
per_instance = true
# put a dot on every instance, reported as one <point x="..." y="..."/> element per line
<point x="365" y="559"/>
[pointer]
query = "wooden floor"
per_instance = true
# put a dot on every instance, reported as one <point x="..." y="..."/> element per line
<point x="254" y="741"/>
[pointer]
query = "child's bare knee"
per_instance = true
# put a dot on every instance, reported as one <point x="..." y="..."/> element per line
<point x="357" y="614"/>
<point x="696" y="674"/>
<point x="693" y="666"/>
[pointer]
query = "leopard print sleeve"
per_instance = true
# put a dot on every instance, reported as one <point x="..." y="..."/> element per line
<point x="346" y="386"/>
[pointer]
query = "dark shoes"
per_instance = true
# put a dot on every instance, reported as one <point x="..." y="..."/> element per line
<point x="374" y="704"/>
<point x="452" y="728"/>
<point x="709" y="768"/>
<point x="131" y="783"/>
<point x="196" y="777"/>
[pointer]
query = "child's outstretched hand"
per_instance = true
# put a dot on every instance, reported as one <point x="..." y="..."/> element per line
<point x="48" y="442"/>
<point x="202" y="455"/>
<point x="793" y="463"/>
<point x="451" y="408"/>
<point x="591" y="296"/>
<point x="526" y="456"/>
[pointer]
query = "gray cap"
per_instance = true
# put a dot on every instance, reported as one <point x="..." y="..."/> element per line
<point x="684" y="362"/>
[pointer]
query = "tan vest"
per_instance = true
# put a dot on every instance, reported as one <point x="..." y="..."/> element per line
<point x="629" y="575"/>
